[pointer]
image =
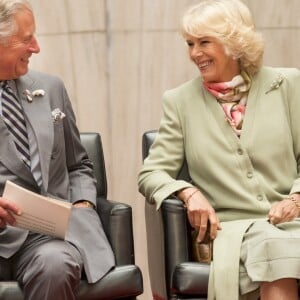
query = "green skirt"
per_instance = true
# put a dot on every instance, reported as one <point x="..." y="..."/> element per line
<point x="269" y="252"/>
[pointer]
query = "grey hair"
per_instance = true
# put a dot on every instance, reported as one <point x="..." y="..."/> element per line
<point x="8" y="9"/>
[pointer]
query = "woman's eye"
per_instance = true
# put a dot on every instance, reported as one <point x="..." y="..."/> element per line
<point x="190" y="44"/>
<point x="203" y="42"/>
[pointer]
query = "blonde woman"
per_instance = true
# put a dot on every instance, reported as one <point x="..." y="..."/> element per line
<point x="238" y="127"/>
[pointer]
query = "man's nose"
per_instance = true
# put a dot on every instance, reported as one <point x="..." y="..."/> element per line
<point x="34" y="46"/>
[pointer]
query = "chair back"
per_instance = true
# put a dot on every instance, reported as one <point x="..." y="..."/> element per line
<point x="93" y="146"/>
<point x="148" y="140"/>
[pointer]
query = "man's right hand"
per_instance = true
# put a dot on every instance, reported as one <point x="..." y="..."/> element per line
<point x="7" y="212"/>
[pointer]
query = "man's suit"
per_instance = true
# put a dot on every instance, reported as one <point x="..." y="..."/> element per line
<point x="65" y="168"/>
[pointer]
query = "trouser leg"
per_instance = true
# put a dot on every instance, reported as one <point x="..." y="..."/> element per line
<point x="48" y="269"/>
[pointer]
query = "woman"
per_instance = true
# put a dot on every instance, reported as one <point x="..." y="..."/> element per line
<point x="238" y="127"/>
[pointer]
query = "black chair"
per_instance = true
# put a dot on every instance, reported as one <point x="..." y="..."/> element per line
<point x="125" y="280"/>
<point x="173" y="273"/>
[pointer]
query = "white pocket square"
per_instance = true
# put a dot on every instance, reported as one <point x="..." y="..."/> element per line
<point x="57" y="115"/>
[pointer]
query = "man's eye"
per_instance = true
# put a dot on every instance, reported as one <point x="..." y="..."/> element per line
<point x="27" y="40"/>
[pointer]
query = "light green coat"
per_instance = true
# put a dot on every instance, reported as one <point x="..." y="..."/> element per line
<point x="241" y="177"/>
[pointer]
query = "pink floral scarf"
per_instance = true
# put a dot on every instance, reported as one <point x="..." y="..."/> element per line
<point x="232" y="95"/>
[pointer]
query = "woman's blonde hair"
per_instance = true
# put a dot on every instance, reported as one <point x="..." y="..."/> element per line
<point x="231" y="23"/>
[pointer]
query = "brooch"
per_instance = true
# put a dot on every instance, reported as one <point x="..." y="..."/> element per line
<point x="35" y="93"/>
<point x="275" y="84"/>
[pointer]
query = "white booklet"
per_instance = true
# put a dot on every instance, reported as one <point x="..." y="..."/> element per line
<point x="39" y="213"/>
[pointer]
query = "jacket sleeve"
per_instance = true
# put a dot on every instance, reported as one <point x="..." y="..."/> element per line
<point x="157" y="178"/>
<point x="80" y="168"/>
<point x="293" y="99"/>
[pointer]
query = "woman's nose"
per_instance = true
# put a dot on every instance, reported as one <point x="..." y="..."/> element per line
<point x="196" y="52"/>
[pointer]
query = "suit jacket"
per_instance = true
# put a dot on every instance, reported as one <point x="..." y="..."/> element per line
<point x="66" y="170"/>
<point x="241" y="177"/>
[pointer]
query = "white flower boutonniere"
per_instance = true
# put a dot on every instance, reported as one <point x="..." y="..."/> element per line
<point x="57" y="115"/>
<point x="36" y="93"/>
<point x="275" y="84"/>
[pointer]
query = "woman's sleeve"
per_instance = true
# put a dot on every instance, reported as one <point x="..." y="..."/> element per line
<point x="157" y="178"/>
<point x="294" y="110"/>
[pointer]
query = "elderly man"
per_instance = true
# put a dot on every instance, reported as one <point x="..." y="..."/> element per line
<point x="43" y="154"/>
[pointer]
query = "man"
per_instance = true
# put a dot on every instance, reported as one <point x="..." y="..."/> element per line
<point x="46" y="157"/>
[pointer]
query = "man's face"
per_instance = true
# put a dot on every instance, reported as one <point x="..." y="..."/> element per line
<point x="15" y="54"/>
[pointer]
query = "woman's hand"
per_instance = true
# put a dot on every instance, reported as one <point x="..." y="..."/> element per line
<point x="284" y="210"/>
<point x="200" y="212"/>
<point x="7" y="211"/>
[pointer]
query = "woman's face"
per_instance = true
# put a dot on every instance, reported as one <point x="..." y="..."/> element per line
<point x="210" y="57"/>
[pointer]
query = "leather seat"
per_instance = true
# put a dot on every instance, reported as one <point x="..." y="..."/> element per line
<point x="125" y="280"/>
<point x="173" y="274"/>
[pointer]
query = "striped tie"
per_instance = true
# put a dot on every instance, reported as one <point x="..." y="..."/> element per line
<point x="12" y="113"/>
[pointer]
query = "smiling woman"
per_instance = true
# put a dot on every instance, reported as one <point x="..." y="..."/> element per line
<point x="221" y="123"/>
<point x="210" y="57"/>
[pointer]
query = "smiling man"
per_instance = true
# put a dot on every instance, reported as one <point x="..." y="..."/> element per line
<point x="43" y="154"/>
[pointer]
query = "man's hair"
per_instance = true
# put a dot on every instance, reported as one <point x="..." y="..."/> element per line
<point x="231" y="23"/>
<point x="8" y="9"/>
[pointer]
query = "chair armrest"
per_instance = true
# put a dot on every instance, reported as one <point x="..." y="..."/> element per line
<point x="116" y="219"/>
<point x="167" y="243"/>
<point x="191" y="278"/>
<point x="177" y="239"/>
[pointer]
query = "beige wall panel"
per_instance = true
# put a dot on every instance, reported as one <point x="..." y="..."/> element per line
<point x="124" y="95"/>
<point x="84" y="15"/>
<point x="89" y="58"/>
<point x="124" y="15"/>
<point x="124" y="92"/>
<point x="282" y="47"/>
<point x="275" y="13"/>
<point x="90" y="84"/>
<point x="163" y="15"/>
<point x="56" y="58"/>
<point x="50" y="16"/>
<point x="165" y="66"/>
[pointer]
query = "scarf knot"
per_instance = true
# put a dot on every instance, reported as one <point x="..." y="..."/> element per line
<point x="232" y="95"/>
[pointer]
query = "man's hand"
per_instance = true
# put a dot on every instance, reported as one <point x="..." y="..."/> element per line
<point x="84" y="204"/>
<point x="7" y="211"/>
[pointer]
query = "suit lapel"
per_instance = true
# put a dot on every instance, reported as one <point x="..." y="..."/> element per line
<point x="38" y="113"/>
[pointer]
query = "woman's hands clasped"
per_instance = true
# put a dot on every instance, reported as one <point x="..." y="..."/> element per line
<point x="285" y="210"/>
<point x="200" y="212"/>
<point x="7" y="211"/>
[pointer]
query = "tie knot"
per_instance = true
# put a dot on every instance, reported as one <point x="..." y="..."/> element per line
<point x="3" y="83"/>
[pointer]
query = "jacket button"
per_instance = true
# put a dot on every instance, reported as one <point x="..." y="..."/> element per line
<point x="260" y="197"/>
